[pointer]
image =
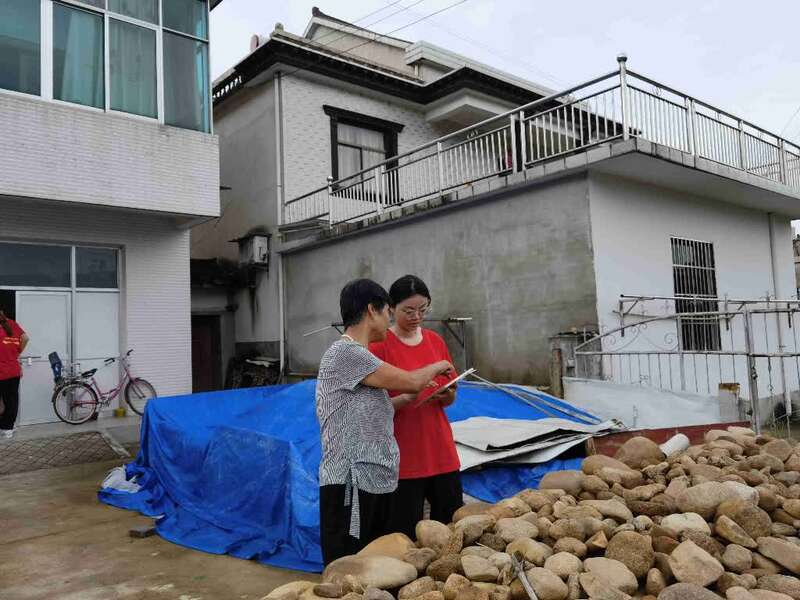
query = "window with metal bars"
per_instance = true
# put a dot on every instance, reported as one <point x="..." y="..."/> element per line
<point x="695" y="283"/>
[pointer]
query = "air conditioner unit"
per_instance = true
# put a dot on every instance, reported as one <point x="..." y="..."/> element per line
<point x="254" y="249"/>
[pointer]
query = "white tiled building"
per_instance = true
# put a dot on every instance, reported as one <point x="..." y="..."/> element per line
<point x="108" y="159"/>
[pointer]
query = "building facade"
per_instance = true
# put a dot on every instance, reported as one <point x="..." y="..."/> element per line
<point x="108" y="160"/>
<point x="528" y="212"/>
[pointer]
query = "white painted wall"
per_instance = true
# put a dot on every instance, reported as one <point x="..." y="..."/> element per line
<point x="631" y="228"/>
<point x="248" y="145"/>
<point x="155" y="306"/>
<point x="60" y="152"/>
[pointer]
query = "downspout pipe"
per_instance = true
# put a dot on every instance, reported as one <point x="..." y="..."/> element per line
<point x="777" y="292"/>
<point x="279" y="205"/>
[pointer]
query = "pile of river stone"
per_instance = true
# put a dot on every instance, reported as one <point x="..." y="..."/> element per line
<point x="717" y="520"/>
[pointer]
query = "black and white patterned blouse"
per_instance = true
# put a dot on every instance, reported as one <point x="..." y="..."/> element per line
<point x="356" y="425"/>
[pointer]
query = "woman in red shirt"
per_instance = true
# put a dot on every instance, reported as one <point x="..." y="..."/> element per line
<point x="429" y="465"/>
<point x="12" y="342"/>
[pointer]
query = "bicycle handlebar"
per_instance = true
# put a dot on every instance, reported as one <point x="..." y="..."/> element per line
<point x="129" y="352"/>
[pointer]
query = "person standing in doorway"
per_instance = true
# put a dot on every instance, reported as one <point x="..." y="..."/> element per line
<point x="358" y="470"/>
<point x="429" y="465"/>
<point x="12" y="343"/>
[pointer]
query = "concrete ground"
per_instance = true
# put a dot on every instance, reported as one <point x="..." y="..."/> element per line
<point x="58" y="541"/>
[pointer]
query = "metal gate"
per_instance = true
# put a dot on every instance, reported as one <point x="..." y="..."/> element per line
<point x="752" y="345"/>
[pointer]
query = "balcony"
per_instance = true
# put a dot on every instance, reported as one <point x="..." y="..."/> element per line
<point x="618" y="106"/>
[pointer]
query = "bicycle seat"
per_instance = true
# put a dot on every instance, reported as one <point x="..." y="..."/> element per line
<point x="89" y="373"/>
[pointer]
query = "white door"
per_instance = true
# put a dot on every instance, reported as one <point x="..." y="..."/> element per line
<point x="45" y="317"/>
<point x="96" y="334"/>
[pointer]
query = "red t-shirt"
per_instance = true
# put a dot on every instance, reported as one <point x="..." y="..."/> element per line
<point x="9" y="351"/>
<point x="422" y="431"/>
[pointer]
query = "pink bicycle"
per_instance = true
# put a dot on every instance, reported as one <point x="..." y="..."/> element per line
<point x="76" y="399"/>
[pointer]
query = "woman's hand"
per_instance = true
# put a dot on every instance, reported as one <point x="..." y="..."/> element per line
<point x="402" y="400"/>
<point x="445" y="397"/>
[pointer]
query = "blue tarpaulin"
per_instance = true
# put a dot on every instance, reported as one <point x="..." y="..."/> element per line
<point x="235" y="472"/>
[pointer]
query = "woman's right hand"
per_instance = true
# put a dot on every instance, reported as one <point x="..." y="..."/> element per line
<point x="443" y="366"/>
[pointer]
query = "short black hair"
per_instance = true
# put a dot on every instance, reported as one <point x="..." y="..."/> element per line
<point x="356" y="296"/>
<point x="407" y="286"/>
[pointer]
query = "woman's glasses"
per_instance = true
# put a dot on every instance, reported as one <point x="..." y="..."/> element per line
<point x="421" y="311"/>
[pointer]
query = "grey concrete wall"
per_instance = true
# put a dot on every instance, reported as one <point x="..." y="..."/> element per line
<point x="520" y="264"/>
<point x="60" y="152"/>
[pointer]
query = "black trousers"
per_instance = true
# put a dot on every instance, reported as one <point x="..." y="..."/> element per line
<point x="9" y="394"/>
<point x="334" y="521"/>
<point x="443" y="492"/>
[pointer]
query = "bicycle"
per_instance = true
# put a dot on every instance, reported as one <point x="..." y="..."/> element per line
<point x="77" y="398"/>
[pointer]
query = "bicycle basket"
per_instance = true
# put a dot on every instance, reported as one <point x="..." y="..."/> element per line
<point x="56" y="365"/>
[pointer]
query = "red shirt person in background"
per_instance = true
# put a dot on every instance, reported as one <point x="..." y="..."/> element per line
<point x="429" y="465"/>
<point x="12" y="342"/>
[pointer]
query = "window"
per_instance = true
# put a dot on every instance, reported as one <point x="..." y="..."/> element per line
<point x="144" y="10"/>
<point x="78" y="65"/>
<point x="187" y="16"/>
<point x="359" y="141"/>
<point x="358" y="148"/>
<point x="132" y="54"/>
<point x="186" y="99"/>
<point x="143" y="57"/>
<point x="20" y="47"/>
<point x="23" y="265"/>
<point x="694" y="277"/>
<point x="96" y="268"/>
<point x="187" y="102"/>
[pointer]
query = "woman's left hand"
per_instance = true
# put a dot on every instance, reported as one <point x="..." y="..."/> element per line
<point x="446" y="397"/>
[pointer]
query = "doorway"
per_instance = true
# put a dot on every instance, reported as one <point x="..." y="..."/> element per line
<point x="206" y="353"/>
<point x="66" y="298"/>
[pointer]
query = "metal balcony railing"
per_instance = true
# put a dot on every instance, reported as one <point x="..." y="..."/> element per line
<point x="618" y="105"/>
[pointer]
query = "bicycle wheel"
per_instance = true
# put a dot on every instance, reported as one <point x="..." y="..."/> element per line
<point x="138" y="393"/>
<point x="74" y="402"/>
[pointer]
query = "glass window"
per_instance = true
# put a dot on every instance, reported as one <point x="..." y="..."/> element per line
<point x="97" y="3"/>
<point x="145" y="10"/>
<point x="132" y="52"/>
<point x="78" y="56"/>
<point x="31" y="265"/>
<point x="358" y="148"/>
<point x="96" y="267"/>
<point x="20" y="47"/>
<point x="186" y="91"/>
<point x="187" y="16"/>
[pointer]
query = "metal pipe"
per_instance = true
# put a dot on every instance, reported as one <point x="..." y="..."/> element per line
<point x="752" y="373"/>
<point x="787" y="398"/>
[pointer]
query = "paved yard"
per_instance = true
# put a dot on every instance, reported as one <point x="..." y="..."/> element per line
<point x="58" y="541"/>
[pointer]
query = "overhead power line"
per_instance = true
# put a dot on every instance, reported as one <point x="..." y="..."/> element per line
<point x="384" y="35"/>
<point x="397" y="12"/>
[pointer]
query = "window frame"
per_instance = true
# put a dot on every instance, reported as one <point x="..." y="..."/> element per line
<point x="73" y="273"/>
<point x="51" y="49"/>
<point x="46" y="65"/>
<point x="704" y="333"/>
<point x="389" y="129"/>
<point x="165" y="30"/>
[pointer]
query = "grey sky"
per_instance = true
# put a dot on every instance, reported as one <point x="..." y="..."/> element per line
<point x="737" y="54"/>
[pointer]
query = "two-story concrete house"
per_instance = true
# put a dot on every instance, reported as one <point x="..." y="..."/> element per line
<point x="108" y="158"/>
<point x="528" y="211"/>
